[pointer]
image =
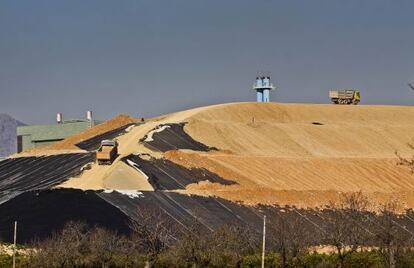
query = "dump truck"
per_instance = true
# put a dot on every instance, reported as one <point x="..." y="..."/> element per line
<point x="345" y="96"/>
<point x="107" y="152"/>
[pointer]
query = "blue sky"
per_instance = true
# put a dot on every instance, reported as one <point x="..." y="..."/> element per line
<point x="146" y="58"/>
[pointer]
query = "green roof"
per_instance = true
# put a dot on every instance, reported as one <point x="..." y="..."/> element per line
<point x="53" y="131"/>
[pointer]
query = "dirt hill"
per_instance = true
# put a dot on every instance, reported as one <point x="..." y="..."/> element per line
<point x="296" y="154"/>
<point x="303" y="154"/>
<point x="299" y="155"/>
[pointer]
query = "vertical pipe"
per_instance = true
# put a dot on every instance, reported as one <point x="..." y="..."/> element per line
<point x="266" y="95"/>
<point x="266" y="81"/>
<point x="259" y="82"/>
<point x="59" y="118"/>
<point x="259" y="95"/>
<point x="259" y="91"/>
<point x="89" y="118"/>
<point x="264" y="241"/>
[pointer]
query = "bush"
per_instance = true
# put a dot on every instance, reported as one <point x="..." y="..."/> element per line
<point x="271" y="260"/>
<point x="368" y="259"/>
<point x="316" y="260"/>
<point x="7" y="261"/>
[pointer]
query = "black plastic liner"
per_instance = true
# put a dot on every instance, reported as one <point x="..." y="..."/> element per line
<point x="166" y="175"/>
<point x="93" y="144"/>
<point x="34" y="173"/>
<point x="210" y="211"/>
<point x="173" y="137"/>
<point x="40" y="213"/>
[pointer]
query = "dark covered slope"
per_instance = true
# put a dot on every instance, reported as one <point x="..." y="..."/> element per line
<point x="167" y="137"/>
<point x="95" y="142"/>
<point x="40" y="213"/>
<point x="166" y="175"/>
<point x="211" y="212"/>
<point x="34" y="173"/>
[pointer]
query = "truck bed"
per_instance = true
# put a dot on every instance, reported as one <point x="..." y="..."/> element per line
<point x="106" y="154"/>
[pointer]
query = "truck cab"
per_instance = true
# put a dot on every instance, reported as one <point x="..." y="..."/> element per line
<point x="357" y="97"/>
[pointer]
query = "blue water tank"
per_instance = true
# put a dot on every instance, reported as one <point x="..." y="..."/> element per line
<point x="266" y="95"/>
<point x="266" y="81"/>
<point x="259" y="95"/>
<point x="259" y="82"/>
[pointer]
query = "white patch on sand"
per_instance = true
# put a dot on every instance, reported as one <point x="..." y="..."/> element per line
<point x="135" y="166"/>
<point x="149" y="135"/>
<point x="129" y="128"/>
<point x="130" y="193"/>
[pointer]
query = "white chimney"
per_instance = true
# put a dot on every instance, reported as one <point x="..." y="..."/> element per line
<point x="89" y="118"/>
<point x="89" y="115"/>
<point x="59" y="118"/>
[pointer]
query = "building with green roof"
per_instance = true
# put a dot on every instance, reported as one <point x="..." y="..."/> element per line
<point x="40" y="135"/>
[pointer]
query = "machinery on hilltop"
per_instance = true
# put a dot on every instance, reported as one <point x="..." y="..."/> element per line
<point x="345" y="96"/>
<point x="107" y="152"/>
<point x="263" y="86"/>
<point x="411" y="85"/>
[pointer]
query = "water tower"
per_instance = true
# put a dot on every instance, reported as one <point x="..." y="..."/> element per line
<point x="263" y="87"/>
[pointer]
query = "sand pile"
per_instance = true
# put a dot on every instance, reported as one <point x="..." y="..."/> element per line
<point x="289" y="154"/>
<point x="118" y="176"/>
<point x="305" y="130"/>
<point x="309" y="182"/>
<point x="302" y="154"/>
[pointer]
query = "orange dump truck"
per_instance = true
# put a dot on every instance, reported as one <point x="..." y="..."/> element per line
<point x="107" y="153"/>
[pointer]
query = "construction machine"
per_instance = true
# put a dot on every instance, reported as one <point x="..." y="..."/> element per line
<point x="345" y="96"/>
<point x="107" y="152"/>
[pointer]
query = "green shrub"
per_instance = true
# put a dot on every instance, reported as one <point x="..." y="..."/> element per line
<point x="7" y="261"/>
<point x="271" y="260"/>
<point x="367" y="259"/>
<point x="316" y="260"/>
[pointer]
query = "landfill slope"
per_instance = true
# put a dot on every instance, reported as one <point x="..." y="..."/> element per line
<point x="302" y="154"/>
<point x="305" y="130"/>
<point x="305" y="155"/>
<point x="219" y="164"/>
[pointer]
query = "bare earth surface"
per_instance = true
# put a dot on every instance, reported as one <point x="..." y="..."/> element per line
<point x="289" y="154"/>
<point x="303" y="154"/>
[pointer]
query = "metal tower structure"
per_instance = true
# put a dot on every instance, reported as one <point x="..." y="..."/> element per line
<point x="263" y="86"/>
<point x="411" y="85"/>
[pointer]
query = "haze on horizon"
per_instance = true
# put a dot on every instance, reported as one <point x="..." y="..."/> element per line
<point x="146" y="58"/>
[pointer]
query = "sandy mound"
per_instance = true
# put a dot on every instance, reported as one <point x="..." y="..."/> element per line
<point x="295" y="154"/>
<point x="301" y="182"/>
<point x="303" y="130"/>
<point x="117" y="176"/>
<point x="302" y="154"/>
